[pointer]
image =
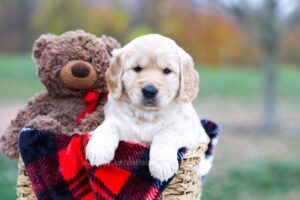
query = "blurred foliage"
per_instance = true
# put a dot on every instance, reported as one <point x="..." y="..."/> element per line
<point x="290" y="47"/>
<point x="212" y="39"/>
<point x="212" y="35"/>
<point x="58" y="16"/>
<point x="138" y="31"/>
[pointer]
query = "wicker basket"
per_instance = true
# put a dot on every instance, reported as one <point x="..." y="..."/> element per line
<point x="24" y="188"/>
<point x="184" y="186"/>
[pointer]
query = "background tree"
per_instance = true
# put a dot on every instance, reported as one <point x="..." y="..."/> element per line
<point x="58" y="16"/>
<point x="262" y="23"/>
<point x="14" y="25"/>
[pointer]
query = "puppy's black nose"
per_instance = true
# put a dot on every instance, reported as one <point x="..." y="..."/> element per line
<point x="149" y="91"/>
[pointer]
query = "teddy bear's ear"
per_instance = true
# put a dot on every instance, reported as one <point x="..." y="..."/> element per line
<point x="110" y="43"/>
<point x="40" y="44"/>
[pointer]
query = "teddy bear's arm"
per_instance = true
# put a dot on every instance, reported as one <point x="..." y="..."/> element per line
<point x="46" y="123"/>
<point x="93" y="120"/>
<point x="9" y="138"/>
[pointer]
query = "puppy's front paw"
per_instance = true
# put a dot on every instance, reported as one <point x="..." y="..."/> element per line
<point x="163" y="166"/>
<point x="100" y="151"/>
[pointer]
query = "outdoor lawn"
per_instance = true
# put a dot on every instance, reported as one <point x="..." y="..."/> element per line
<point x="250" y="164"/>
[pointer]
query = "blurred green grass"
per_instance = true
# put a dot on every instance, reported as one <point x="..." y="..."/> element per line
<point x="8" y="169"/>
<point x="18" y="77"/>
<point x="247" y="83"/>
<point x="19" y="81"/>
<point x="259" y="180"/>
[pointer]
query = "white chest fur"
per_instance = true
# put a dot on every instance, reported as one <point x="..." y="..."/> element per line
<point x="137" y="125"/>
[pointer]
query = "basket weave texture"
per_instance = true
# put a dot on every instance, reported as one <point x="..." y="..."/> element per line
<point x="184" y="186"/>
<point x="24" y="187"/>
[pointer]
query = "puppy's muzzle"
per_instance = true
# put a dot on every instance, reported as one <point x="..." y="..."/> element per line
<point x="149" y="93"/>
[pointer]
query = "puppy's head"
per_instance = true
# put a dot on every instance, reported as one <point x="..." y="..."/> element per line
<point x="151" y="72"/>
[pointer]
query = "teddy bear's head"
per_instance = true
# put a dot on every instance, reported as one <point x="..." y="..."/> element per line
<point x="73" y="63"/>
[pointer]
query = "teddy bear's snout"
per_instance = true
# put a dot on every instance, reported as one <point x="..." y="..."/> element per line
<point x="78" y="74"/>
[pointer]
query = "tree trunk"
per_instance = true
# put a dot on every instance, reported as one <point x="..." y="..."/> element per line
<point x="269" y="120"/>
<point x="270" y="45"/>
<point x="23" y="25"/>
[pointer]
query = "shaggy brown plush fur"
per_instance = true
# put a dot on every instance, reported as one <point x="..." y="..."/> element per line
<point x="58" y="108"/>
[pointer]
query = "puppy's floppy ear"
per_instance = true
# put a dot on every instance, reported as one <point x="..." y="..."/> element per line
<point x="113" y="74"/>
<point x="40" y="45"/>
<point x="189" y="78"/>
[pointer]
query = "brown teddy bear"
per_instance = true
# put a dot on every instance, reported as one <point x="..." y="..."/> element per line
<point x="72" y="67"/>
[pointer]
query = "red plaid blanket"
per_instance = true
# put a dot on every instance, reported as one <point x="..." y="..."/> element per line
<point x="58" y="170"/>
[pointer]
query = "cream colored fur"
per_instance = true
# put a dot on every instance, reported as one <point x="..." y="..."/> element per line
<point x="169" y="125"/>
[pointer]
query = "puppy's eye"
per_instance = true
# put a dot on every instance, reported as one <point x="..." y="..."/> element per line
<point x="137" y="69"/>
<point x="90" y="59"/>
<point x="167" y="71"/>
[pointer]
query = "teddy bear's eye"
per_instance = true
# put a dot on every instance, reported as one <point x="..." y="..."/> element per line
<point x="90" y="59"/>
<point x="70" y="58"/>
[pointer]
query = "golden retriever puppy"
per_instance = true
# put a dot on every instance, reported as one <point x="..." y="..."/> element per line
<point x="152" y="83"/>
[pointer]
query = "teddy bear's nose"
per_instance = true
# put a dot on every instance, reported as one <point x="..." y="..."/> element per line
<point x="80" y="70"/>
